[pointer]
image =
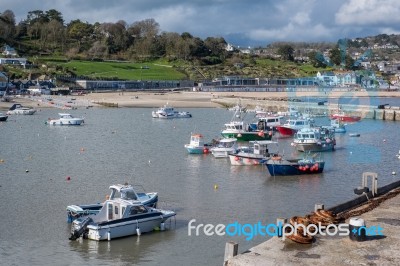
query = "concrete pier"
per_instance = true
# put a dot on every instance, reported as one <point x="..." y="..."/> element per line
<point x="377" y="249"/>
<point x="391" y="113"/>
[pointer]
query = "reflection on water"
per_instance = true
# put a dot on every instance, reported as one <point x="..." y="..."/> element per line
<point x="127" y="145"/>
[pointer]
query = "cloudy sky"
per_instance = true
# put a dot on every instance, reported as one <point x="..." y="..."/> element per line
<point x="240" y="22"/>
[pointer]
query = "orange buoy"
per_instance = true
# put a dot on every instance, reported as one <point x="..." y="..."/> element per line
<point x="205" y="150"/>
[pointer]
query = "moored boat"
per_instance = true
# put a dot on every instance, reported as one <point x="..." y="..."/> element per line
<point x="126" y="192"/>
<point x="293" y="125"/>
<point x="279" y="166"/>
<point x="65" y="120"/>
<point x="257" y="153"/>
<point x="18" y="109"/>
<point x="197" y="145"/>
<point x="338" y="126"/>
<point x="168" y="112"/>
<point x="241" y="131"/>
<point x="119" y="218"/>
<point x="342" y="116"/>
<point x="224" y="147"/>
<point x="315" y="139"/>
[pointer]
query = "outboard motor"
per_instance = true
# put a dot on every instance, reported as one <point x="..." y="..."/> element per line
<point x="79" y="229"/>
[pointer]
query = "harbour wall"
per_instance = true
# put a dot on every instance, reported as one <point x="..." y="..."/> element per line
<point x="391" y="113"/>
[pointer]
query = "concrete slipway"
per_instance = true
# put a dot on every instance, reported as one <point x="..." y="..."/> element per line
<point x="337" y="250"/>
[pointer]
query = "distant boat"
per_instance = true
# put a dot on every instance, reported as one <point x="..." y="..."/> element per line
<point x="18" y="109"/>
<point x="338" y="126"/>
<point x="278" y="166"/>
<point x="354" y="134"/>
<point x="168" y="112"/>
<point x="66" y="120"/>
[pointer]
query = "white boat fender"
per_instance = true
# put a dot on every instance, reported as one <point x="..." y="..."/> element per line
<point x="137" y="228"/>
<point x="108" y="235"/>
<point x="162" y="226"/>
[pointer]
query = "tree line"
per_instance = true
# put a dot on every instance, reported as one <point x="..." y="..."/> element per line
<point x="46" y="31"/>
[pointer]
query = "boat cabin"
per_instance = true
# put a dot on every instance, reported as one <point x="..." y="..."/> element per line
<point x="119" y="209"/>
<point x="127" y="192"/>
<point x="196" y="140"/>
<point x="234" y="126"/>
<point x="261" y="147"/>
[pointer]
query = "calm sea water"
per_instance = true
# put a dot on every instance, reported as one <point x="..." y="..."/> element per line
<point x="127" y="145"/>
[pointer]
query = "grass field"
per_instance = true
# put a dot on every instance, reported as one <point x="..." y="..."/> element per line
<point x="124" y="70"/>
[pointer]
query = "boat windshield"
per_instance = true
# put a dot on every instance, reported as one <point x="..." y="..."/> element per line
<point x="124" y="194"/>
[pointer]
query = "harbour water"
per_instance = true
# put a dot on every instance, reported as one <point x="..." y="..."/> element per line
<point x="127" y="145"/>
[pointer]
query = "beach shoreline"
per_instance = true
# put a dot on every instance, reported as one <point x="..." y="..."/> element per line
<point x="142" y="99"/>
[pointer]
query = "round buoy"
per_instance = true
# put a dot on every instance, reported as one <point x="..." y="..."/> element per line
<point x="384" y="140"/>
<point x="68" y="178"/>
<point x="82" y="149"/>
<point x="1" y="161"/>
<point x="393" y="173"/>
<point x="205" y="150"/>
<point x="26" y="170"/>
<point x="237" y="158"/>
<point x="215" y="186"/>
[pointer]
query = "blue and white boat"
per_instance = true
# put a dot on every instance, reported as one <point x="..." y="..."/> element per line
<point x="278" y="166"/>
<point x="338" y="126"/>
<point x="125" y="192"/>
<point x="197" y="145"/>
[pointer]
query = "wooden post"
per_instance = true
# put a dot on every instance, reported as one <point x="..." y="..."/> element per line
<point x="318" y="206"/>
<point x="231" y="250"/>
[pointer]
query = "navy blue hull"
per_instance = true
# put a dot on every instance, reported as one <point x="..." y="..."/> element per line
<point x="294" y="169"/>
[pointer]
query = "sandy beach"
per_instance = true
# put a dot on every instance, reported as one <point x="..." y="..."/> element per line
<point x="176" y="99"/>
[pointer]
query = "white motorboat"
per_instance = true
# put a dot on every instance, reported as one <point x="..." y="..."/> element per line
<point x="65" y="120"/>
<point x="125" y="192"/>
<point x="224" y="148"/>
<point x="18" y="109"/>
<point x="256" y="154"/>
<point x="120" y="218"/>
<point x="167" y="112"/>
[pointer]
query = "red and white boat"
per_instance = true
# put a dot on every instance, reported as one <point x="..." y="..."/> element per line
<point x="341" y="116"/>
<point x="293" y="125"/>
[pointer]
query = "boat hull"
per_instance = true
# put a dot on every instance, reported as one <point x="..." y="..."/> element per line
<point x="222" y="153"/>
<point x="196" y="150"/>
<point x="247" y="136"/>
<point x="128" y="226"/>
<point x="288" y="169"/>
<point x="315" y="147"/>
<point x="286" y="131"/>
<point x="22" y="112"/>
<point x="3" y="118"/>
<point x="239" y="160"/>
<point x="345" y="118"/>
<point x="65" y="122"/>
